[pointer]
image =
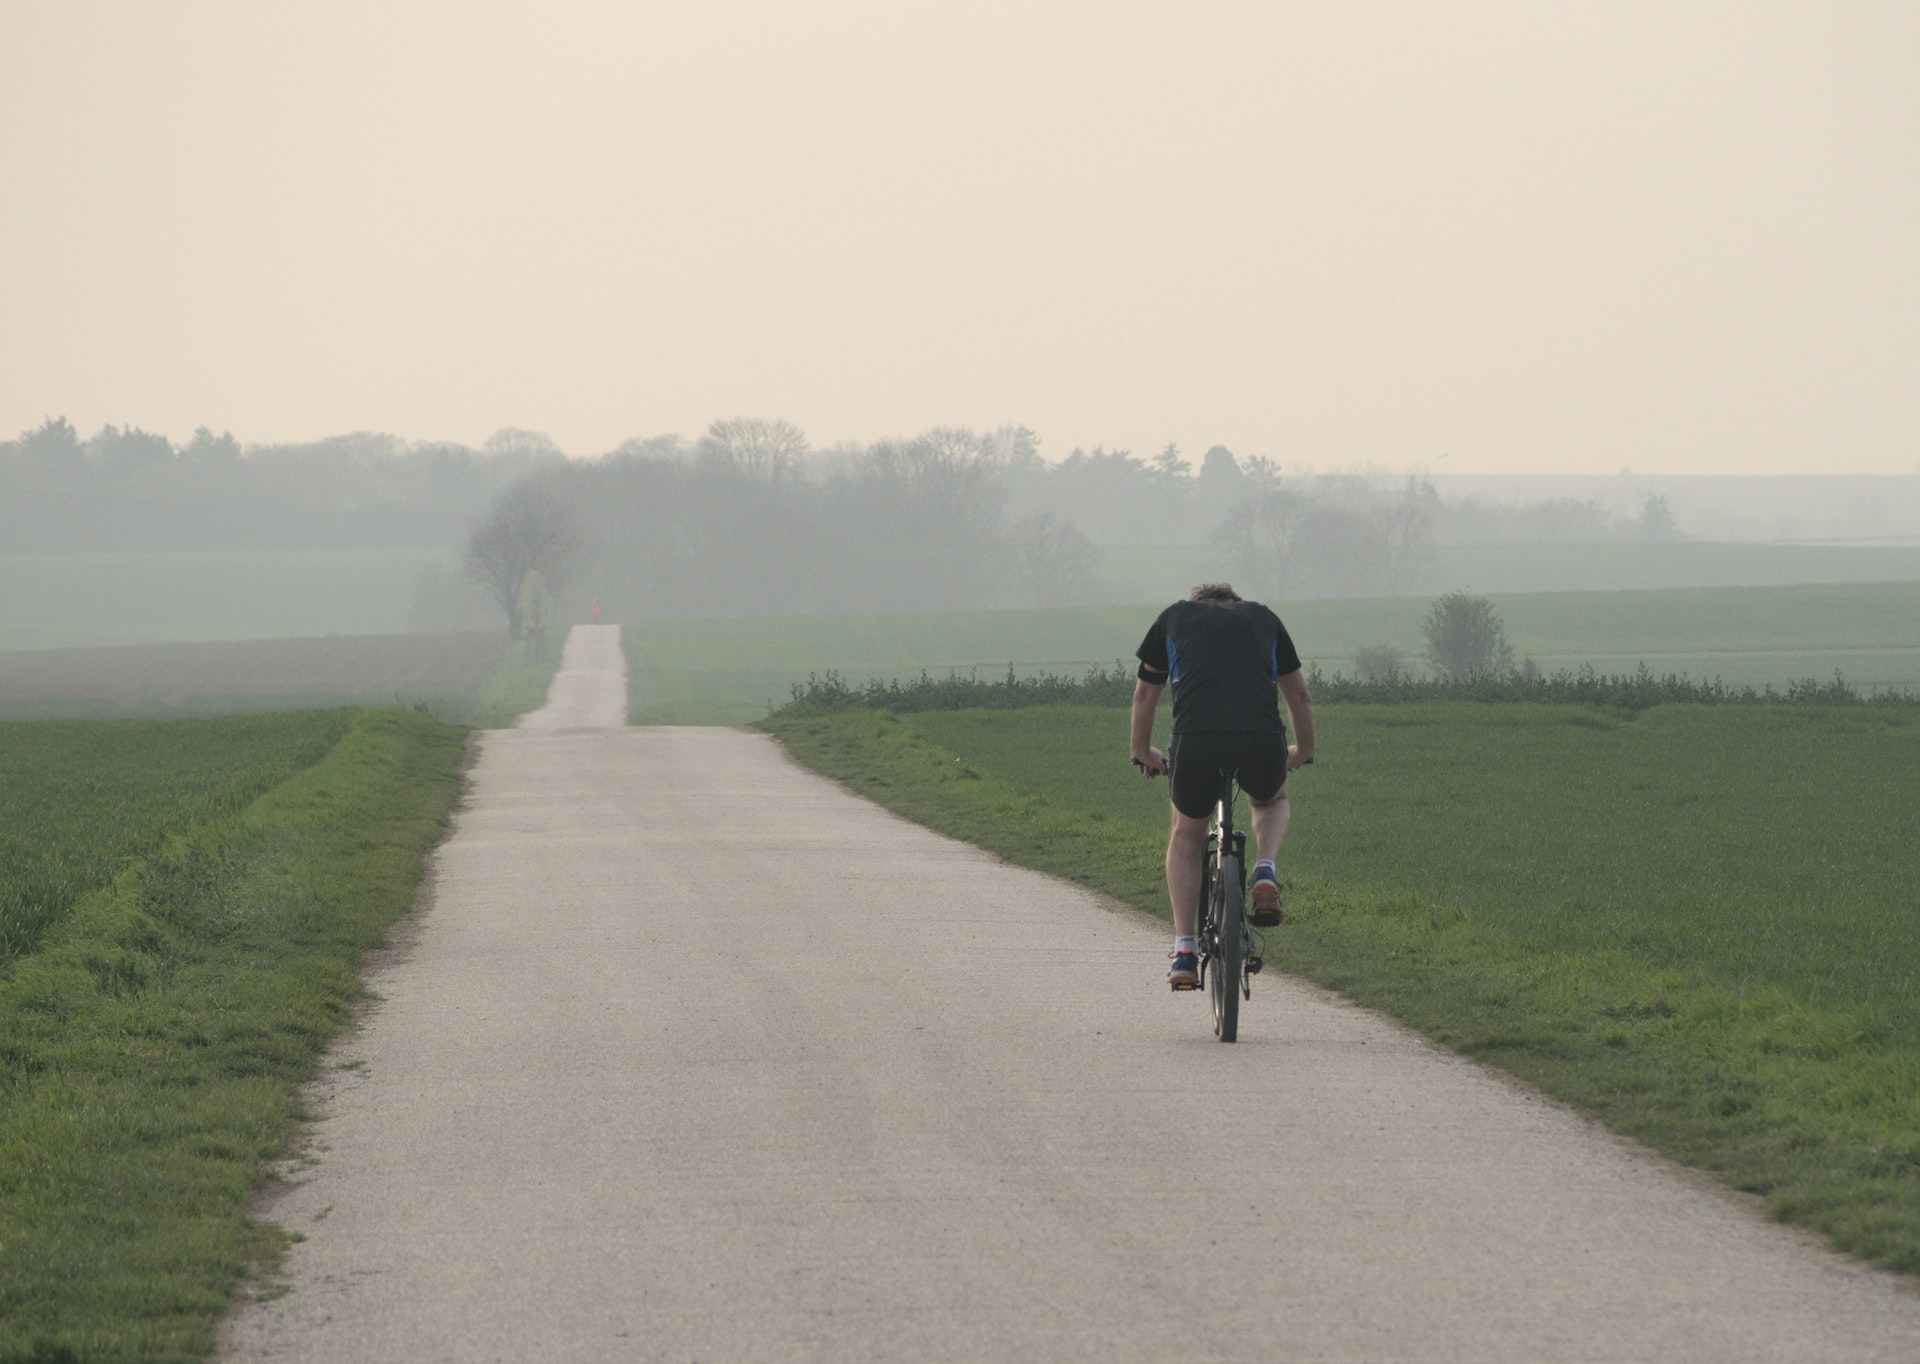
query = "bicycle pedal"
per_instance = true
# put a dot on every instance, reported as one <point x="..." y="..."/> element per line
<point x="1181" y="988"/>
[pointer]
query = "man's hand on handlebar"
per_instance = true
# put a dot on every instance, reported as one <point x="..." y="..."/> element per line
<point x="1153" y="765"/>
<point x="1294" y="761"/>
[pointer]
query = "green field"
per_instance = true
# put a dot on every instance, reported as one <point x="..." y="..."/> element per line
<point x="517" y="686"/>
<point x="1149" y="571"/>
<point x="56" y="601"/>
<point x="733" y="671"/>
<point x="1695" y="923"/>
<point x="79" y="799"/>
<point x="51" y="601"/>
<point x="218" y="882"/>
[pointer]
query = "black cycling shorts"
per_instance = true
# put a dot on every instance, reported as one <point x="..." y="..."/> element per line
<point x="1195" y="762"/>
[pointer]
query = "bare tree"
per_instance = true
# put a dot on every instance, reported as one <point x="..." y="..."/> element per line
<point x="1406" y="525"/>
<point x="1052" y="562"/>
<point x="511" y="440"/>
<point x="528" y="530"/>
<point x="769" y="450"/>
<point x="1261" y="536"/>
<point x="935" y="507"/>
<point x="1336" y="551"/>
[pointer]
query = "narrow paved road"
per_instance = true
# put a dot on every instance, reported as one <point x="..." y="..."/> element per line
<point x="695" y="1056"/>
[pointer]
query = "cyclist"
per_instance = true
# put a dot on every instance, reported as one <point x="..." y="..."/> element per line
<point x="1230" y="663"/>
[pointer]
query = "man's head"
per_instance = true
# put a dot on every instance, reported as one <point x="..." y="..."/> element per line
<point x="1213" y="592"/>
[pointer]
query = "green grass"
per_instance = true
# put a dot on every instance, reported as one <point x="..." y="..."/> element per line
<point x="1634" y="567"/>
<point x="734" y="671"/>
<point x="78" y="799"/>
<point x="517" y="686"/>
<point x="153" y="1044"/>
<point x="1695" y="923"/>
<point x="1149" y="571"/>
<point x="50" y="601"/>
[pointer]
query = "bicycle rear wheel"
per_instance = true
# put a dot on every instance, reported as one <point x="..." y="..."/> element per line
<point x="1229" y="940"/>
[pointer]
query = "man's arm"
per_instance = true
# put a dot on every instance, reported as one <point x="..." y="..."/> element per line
<point x="1146" y="700"/>
<point x="1293" y="688"/>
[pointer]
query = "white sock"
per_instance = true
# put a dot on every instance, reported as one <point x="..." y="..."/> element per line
<point x="1186" y="944"/>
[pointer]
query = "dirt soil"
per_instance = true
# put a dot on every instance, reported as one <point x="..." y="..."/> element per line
<point x="377" y="666"/>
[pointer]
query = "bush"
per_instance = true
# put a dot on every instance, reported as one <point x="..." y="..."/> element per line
<point x="1099" y="687"/>
<point x="1642" y="689"/>
<point x="1639" y="690"/>
<point x="1467" y="639"/>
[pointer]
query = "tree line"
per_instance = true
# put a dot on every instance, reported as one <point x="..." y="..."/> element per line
<point x="752" y="519"/>
<point x="125" y="489"/>
<point x="747" y="522"/>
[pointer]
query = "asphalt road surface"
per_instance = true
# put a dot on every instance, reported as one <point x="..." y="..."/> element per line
<point x="692" y="1055"/>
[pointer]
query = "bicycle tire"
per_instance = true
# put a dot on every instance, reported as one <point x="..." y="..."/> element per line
<point x="1228" y="950"/>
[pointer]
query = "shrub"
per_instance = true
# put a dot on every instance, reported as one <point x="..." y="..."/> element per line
<point x="1466" y="638"/>
<point x="1642" y="689"/>
<point x="962" y="691"/>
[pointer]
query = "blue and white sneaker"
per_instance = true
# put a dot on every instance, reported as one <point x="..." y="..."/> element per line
<point x="1266" y="897"/>
<point x="1184" y="974"/>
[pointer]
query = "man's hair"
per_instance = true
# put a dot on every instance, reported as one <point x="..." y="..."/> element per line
<point x="1213" y="592"/>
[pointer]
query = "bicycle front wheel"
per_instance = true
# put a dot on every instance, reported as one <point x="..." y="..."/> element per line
<point x="1229" y="928"/>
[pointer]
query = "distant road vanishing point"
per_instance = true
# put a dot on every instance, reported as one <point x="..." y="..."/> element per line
<point x="692" y="1055"/>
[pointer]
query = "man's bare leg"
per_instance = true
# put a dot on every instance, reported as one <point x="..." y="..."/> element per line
<point x="1269" y="828"/>
<point x="1186" y="846"/>
<point x="1269" y="825"/>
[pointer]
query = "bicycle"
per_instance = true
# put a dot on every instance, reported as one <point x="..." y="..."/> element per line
<point x="1229" y="948"/>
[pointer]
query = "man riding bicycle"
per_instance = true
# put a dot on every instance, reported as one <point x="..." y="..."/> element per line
<point x="1230" y="663"/>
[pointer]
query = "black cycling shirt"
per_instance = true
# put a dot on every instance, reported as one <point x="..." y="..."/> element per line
<point x="1225" y="660"/>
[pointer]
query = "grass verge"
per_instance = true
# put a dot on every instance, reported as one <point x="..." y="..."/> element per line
<point x="1693" y="922"/>
<point x="518" y="685"/>
<point x="153" y="1046"/>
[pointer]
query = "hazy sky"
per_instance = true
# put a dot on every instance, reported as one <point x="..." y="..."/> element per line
<point x="1527" y="237"/>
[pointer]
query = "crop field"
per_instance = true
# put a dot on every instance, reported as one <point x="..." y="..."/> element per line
<point x="184" y="904"/>
<point x="734" y="671"/>
<point x="78" y="799"/>
<point x="1148" y="571"/>
<point x="1695" y="923"/>
<point x="54" y="601"/>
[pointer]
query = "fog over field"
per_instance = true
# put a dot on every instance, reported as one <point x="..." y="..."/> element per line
<point x="125" y="536"/>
